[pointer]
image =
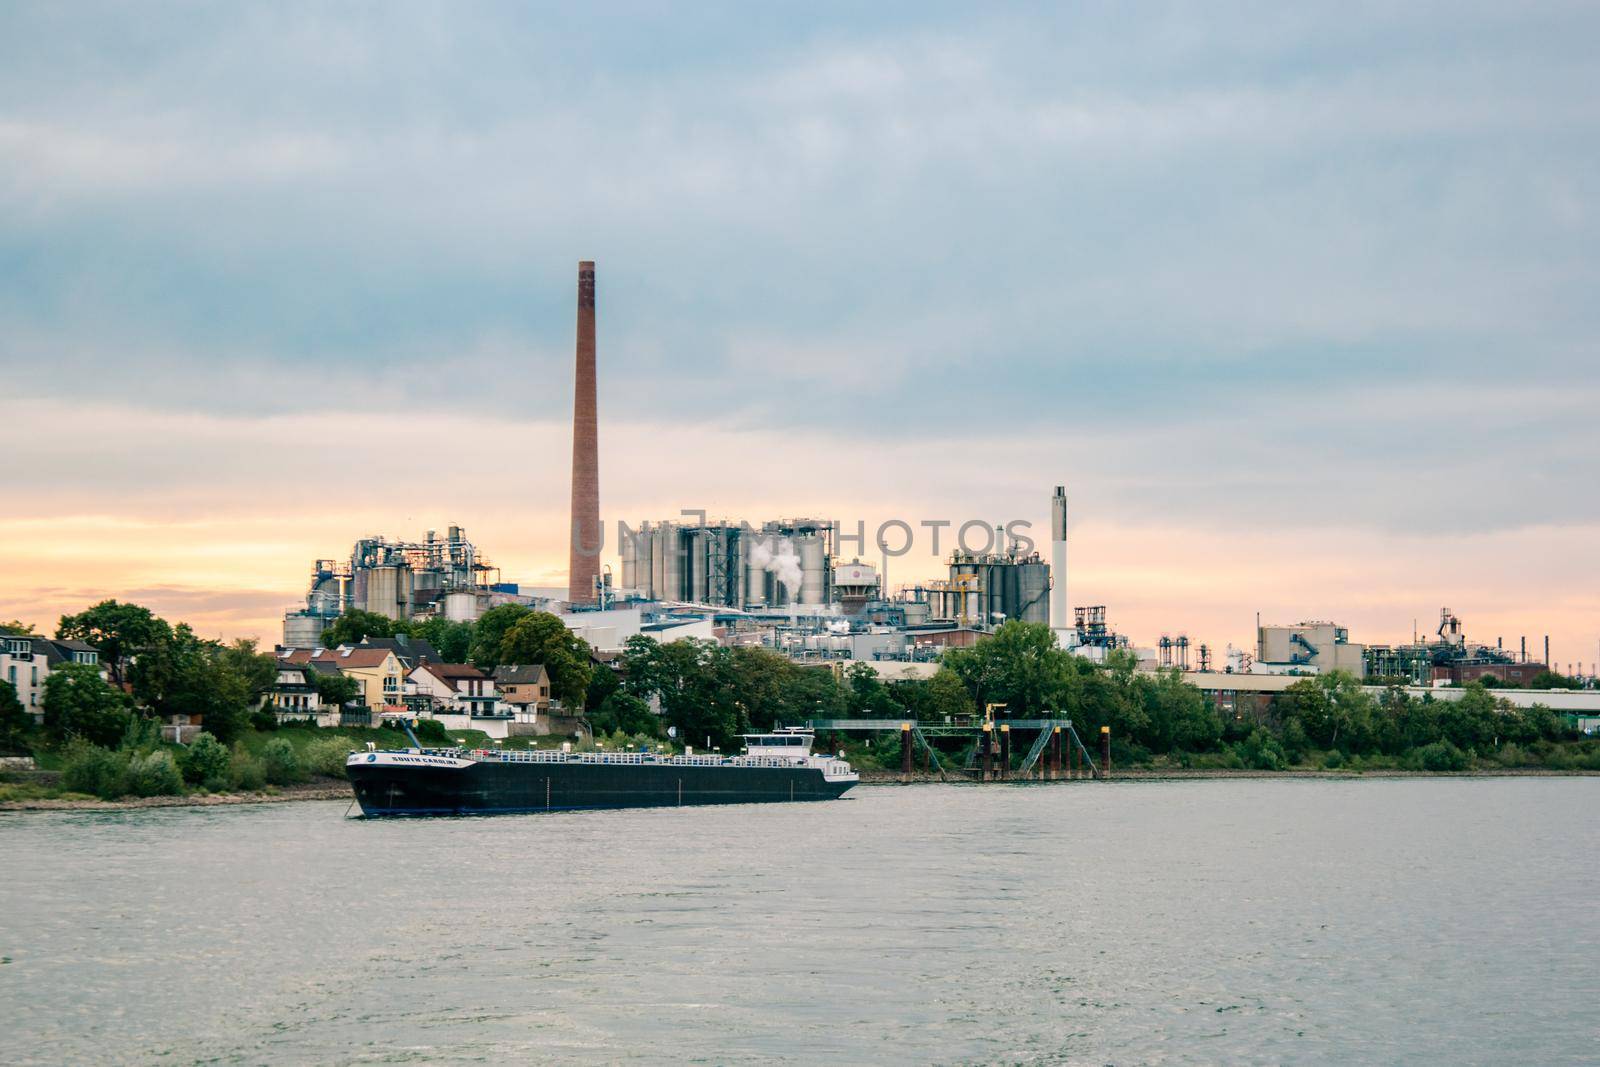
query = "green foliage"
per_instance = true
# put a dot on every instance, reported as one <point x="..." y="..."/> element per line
<point x="14" y="720"/>
<point x="1548" y="679"/>
<point x="94" y="770"/>
<point x="117" y="631"/>
<point x="541" y="638"/>
<point x="490" y="630"/>
<point x="184" y="674"/>
<point x="245" y="771"/>
<point x="326" y="756"/>
<point x="623" y="712"/>
<point x="1261" y="751"/>
<point x="206" y="762"/>
<point x="945" y="696"/>
<point x="280" y="764"/>
<point x="354" y="626"/>
<point x="1441" y="756"/>
<point x="336" y="689"/>
<point x="21" y="629"/>
<point x="153" y="774"/>
<point x="79" y="704"/>
<point x="1021" y="666"/>
<point x="452" y="640"/>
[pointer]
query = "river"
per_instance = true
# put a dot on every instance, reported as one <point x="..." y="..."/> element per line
<point x="1278" y="920"/>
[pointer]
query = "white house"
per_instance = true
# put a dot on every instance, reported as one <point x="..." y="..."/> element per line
<point x="26" y="661"/>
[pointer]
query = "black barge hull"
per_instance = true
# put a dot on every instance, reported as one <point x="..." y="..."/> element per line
<point x="486" y="788"/>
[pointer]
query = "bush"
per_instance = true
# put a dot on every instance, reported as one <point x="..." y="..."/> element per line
<point x="326" y="756"/>
<point x="1261" y="751"/>
<point x="1441" y="756"/>
<point x="245" y="771"/>
<point x="1333" y="760"/>
<point x="153" y="774"/>
<point x="205" y="762"/>
<point x="264" y="719"/>
<point x="94" y="770"/>
<point x="279" y="762"/>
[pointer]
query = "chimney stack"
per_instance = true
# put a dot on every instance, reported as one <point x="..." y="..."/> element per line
<point x="1060" y="605"/>
<point x="587" y="537"/>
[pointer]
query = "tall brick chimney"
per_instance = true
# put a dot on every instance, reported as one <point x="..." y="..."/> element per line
<point x="584" y="564"/>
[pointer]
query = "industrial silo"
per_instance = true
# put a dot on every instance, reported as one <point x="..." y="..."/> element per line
<point x="1033" y="591"/>
<point x="672" y="561"/>
<point x="813" y="570"/>
<point x="697" y="541"/>
<point x="658" y="560"/>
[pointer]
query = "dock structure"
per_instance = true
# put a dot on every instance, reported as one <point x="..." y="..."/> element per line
<point x="1056" y="752"/>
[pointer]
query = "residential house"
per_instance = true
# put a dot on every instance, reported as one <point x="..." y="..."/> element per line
<point x="459" y="695"/>
<point x="377" y="670"/>
<point x="526" y="687"/>
<point x="293" y="696"/>
<point x="412" y="651"/>
<point x="26" y="661"/>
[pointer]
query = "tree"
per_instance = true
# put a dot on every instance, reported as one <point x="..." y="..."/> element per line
<point x="624" y="712"/>
<point x="490" y="632"/>
<point x="354" y="626"/>
<point x="336" y="689"/>
<point x="21" y="629"/>
<point x="1548" y="679"/>
<point x="947" y="696"/>
<point x="14" y="719"/>
<point x="452" y="640"/>
<point x="117" y="631"/>
<point x="695" y="681"/>
<point x="541" y="638"/>
<point x="1021" y="666"/>
<point x="187" y="675"/>
<point x="79" y="704"/>
<point x="257" y="671"/>
<point x="206" y="762"/>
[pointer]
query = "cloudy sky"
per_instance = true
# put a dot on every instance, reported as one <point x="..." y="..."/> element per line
<point x="1299" y="300"/>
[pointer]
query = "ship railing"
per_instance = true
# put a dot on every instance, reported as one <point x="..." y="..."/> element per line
<point x="533" y="755"/>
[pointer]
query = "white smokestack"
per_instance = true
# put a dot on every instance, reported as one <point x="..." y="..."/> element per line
<point x="1060" y="605"/>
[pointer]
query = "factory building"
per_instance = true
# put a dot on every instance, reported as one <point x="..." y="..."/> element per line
<point x="783" y="564"/>
<point x="1308" y="648"/>
<point x="988" y="589"/>
<point x="437" y="576"/>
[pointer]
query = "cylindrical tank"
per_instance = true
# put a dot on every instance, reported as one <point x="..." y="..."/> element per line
<point x="755" y="594"/>
<point x="630" y="572"/>
<point x="697" y="548"/>
<point x="658" y="560"/>
<point x="461" y="606"/>
<point x="813" y="570"/>
<point x="641" y="562"/>
<point x="672" y="562"/>
<point x="383" y="591"/>
<point x="302" y="629"/>
<point x="1033" y="591"/>
<point x="916" y="612"/>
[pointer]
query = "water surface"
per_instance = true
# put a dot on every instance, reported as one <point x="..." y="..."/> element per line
<point x="1396" y="921"/>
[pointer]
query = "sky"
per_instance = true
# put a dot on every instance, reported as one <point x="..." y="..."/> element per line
<point x="1297" y="300"/>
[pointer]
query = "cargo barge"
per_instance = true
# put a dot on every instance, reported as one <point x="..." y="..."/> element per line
<point x="431" y="781"/>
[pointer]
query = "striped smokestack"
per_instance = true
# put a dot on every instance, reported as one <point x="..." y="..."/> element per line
<point x="584" y="564"/>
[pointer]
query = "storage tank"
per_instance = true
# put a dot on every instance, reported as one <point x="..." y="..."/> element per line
<point x="813" y="570"/>
<point x="672" y="562"/>
<point x="630" y="570"/>
<point x="658" y="559"/>
<point x="641" y="562"/>
<point x="755" y="594"/>
<point x="1033" y="591"/>
<point x="461" y="606"/>
<point x="698" y="542"/>
<point x="302" y="629"/>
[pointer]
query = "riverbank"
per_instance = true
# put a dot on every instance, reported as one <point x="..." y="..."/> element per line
<point x="310" y="791"/>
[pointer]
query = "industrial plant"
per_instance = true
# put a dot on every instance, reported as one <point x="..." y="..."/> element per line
<point x="784" y="584"/>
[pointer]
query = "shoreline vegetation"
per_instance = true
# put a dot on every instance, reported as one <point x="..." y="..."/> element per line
<point x="336" y="790"/>
<point x="101" y="730"/>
